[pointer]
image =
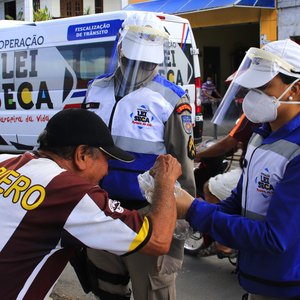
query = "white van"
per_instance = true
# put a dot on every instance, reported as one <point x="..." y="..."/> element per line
<point x="45" y="67"/>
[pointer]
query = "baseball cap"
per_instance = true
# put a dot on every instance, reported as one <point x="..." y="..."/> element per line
<point x="143" y="37"/>
<point x="76" y="126"/>
<point x="281" y="56"/>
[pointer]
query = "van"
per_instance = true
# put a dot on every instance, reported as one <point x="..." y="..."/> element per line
<point x="46" y="66"/>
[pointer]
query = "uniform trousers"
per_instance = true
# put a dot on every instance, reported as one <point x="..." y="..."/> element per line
<point x="152" y="278"/>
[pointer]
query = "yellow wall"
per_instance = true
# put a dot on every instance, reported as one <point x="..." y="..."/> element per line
<point x="268" y="26"/>
<point x="136" y="1"/>
<point x="267" y="18"/>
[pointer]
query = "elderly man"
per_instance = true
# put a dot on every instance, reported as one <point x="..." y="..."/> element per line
<point x="51" y="204"/>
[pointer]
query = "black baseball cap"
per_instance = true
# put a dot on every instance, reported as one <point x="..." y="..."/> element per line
<point x="76" y="126"/>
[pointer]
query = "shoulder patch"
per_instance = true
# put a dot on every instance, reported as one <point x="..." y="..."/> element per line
<point x="187" y="123"/>
<point x="191" y="148"/>
<point x="183" y="107"/>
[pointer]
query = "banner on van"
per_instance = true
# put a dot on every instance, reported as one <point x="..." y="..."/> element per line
<point x="94" y="30"/>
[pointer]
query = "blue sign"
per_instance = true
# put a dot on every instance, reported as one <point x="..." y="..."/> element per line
<point x="94" y="30"/>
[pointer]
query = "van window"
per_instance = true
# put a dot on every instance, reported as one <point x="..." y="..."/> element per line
<point x="92" y="62"/>
<point x="68" y="56"/>
<point x="89" y="60"/>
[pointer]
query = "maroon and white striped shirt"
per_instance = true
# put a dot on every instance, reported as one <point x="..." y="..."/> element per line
<point x="45" y="212"/>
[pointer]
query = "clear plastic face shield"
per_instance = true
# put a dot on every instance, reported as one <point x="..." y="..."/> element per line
<point x="257" y="69"/>
<point x="141" y="52"/>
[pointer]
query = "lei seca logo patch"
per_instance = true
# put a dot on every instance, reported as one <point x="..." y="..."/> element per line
<point x="263" y="184"/>
<point x="142" y="118"/>
<point x="115" y="206"/>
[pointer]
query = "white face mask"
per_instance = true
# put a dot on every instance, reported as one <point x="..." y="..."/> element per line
<point x="260" y="108"/>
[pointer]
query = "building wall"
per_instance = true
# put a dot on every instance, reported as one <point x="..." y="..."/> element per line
<point x="268" y="26"/>
<point x="2" y="16"/>
<point x="111" y="5"/>
<point x="54" y="6"/>
<point x="89" y="5"/>
<point x="288" y="18"/>
<point x="232" y="41"/>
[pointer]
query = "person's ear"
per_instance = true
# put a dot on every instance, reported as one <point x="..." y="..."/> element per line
<point x="294" y="93"/>
<point x="296" y="88"/>
<point x="81" y="157"/>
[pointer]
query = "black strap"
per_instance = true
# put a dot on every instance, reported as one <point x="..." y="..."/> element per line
<point x="106" y="276"/>
<point x="79" y="263"/>
<point x="116" y="279"/>
<point x="107" y="296"/>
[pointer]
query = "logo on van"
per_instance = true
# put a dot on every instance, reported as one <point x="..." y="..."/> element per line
<point x="32" y="78"/>
<point x="176" y="67"/>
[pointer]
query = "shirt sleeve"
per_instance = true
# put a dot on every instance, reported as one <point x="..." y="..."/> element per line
<point x="242" y="131"/>
<point x="102" y="223"/>
<point x="275" y="234"/>
<point x="179" y="142"/>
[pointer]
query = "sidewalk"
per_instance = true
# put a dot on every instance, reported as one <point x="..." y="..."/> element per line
<point x="212" y="131"/>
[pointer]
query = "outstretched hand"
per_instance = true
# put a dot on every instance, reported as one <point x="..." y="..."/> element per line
<point x="183" y="203"/>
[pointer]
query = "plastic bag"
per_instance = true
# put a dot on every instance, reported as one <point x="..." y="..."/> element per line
<point x="146" y="183"/>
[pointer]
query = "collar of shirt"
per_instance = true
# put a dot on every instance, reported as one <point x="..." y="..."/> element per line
<point x="282" y="133"/>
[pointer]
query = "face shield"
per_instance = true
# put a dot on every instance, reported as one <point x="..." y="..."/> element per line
<point x="257" y="69"/>
<point x="141" y="52"/>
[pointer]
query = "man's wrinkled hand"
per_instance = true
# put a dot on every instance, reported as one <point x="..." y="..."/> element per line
<point x="166" y="167"/>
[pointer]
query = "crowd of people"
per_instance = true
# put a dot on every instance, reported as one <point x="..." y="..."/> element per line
<point x="77" y="197"/>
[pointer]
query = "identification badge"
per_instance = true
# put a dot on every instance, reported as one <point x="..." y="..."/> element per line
<point x="187" y="123"/>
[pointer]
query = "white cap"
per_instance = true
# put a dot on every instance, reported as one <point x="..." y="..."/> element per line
<point x="143" y="37"/>
<point x="276" y="57"/>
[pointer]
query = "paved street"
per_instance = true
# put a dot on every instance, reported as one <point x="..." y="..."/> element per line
<point x="207" y="278"/>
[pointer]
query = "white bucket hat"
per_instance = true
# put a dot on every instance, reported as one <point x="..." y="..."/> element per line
<point x="276" y="57"/>
<point x="143" y="37"/>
